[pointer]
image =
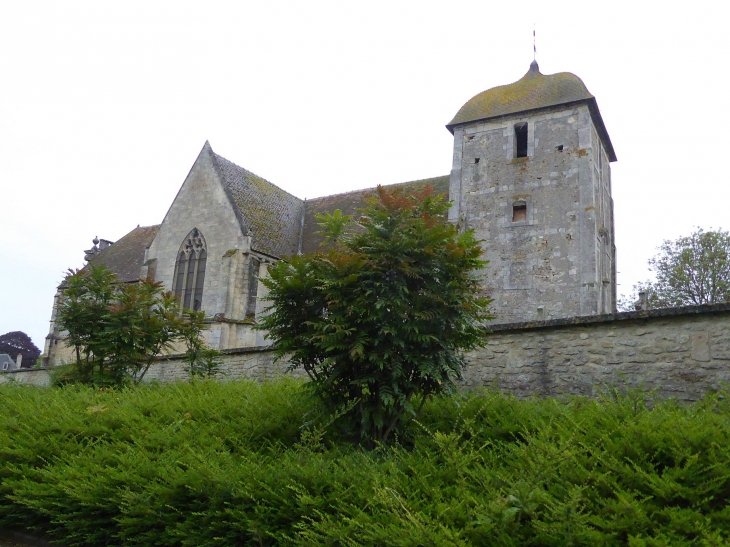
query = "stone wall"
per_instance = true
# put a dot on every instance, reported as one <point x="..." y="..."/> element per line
<point x="678" y="352"/>
<point x="255" y="363"/>
<point x="27" y="376"/>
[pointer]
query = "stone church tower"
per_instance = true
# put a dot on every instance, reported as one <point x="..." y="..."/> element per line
<point x="531" y="175"/>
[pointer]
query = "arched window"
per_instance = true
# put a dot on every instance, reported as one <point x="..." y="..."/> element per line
<point x="190" y="271"/>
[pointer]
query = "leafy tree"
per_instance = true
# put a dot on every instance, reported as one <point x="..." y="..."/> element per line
<point x="17" y="342"/>
<point x="690" y="270"/>
<point x="384" y="315"/>
<point x="202" y="361"/>
<point x="118" y="329"/>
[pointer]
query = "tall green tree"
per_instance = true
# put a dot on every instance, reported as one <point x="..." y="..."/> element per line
<point x="383" y="317"/>
<point x="690" y="270"/>
<point x="118" y="329"/>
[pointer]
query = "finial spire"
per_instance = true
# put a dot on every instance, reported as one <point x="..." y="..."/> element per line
<point x="534" y="47"/>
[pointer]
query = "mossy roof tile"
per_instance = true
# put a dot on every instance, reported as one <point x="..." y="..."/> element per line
<point x="126" y="257"/>
<point x="349" y="202"/>
<point x="534" y="91"/>
<point x="272" y="215"/>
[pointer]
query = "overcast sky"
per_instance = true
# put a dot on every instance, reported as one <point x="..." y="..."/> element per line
<point x="104" y="107"/>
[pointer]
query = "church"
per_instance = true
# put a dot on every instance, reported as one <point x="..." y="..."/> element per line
<point x="530" y="175"/>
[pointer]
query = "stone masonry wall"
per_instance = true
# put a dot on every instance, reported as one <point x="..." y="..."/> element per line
<point x="558" y="261"/>
<point x="680" y="353"/>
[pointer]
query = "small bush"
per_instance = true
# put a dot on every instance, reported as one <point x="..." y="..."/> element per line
<point x="230" y="464"/>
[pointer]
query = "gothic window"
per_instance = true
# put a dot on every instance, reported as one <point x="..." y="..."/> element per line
<point x="521" y="140"/>
<point x="190" y="271"/>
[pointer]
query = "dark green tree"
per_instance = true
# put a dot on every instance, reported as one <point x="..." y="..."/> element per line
<point x="691" y="270"/>
<point x="382" y="318"/>
<point x="118" y="329"/>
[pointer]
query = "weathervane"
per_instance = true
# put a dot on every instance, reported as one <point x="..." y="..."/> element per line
<point x="534" y="48"/>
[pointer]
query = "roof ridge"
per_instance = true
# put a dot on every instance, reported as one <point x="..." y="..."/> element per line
<point x="219" y="157"/>
<point x="374" y="187"/>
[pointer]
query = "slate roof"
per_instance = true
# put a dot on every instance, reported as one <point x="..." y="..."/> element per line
<point x="273" y="215"/>
<point x="126" y="257"/>
<point x="533" y="91"/>
<point x="350" y="201"/>
<point x="5" y="359"/>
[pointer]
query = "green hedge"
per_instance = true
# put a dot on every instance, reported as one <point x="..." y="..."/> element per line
<point x="229" y="464"/>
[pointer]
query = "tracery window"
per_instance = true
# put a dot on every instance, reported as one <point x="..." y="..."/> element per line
<point x="190" y="271"/>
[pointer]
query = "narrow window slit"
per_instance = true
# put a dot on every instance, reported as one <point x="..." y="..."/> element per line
<point x="521" y="140"/>
<point x="254" y="270"/>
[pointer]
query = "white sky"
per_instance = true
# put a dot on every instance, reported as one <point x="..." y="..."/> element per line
<point x="104" y="106"/>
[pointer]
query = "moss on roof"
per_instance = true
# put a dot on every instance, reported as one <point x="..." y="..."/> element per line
<point x="531" y="92"/>
<point x="273" y="215"/>
<point x="126" y="257"/>
<point x="350" y="201"/>
<point x="534" y="90"/>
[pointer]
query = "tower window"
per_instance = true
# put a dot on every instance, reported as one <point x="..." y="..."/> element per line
<point x="190" y="271"/>
<point x="519" y="211"/>
<point x="521" y="140"/>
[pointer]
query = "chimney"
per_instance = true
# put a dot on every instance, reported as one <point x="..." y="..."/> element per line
<point x="19" y="360"/>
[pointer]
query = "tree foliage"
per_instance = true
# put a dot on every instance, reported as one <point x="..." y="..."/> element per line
<point x="118" y="329"/>
<point x="17" y="342"/>
<point x="691" y="270"/>
<point x="384" y="315"/>
<point x="202" y="361"/>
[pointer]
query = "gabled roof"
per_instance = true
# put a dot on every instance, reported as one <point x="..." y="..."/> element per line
<point x="126" y="257"/>
<point x="534" y="91"/>
<point x="350" y="201"/>
<point x="272" y="215"/>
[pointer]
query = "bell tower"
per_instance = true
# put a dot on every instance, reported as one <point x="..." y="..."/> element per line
<point x="531" y="175"/>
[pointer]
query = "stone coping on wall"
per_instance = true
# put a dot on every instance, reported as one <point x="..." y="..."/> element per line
<point x="23" y="369"/>
<point x="703" y="309"/>
<point x="229" y="351"/>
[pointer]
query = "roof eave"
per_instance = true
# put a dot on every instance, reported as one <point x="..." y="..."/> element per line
<point x="592" y="107"/>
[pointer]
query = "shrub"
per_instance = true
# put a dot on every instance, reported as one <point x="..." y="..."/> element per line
<point x="228" y="464"/>
<point x="381" y="319"/>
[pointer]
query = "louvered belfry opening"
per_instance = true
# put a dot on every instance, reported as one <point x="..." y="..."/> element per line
<point x="190" y="271"/>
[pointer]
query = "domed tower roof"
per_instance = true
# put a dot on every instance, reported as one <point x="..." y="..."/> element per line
<point x="534" y="91"/>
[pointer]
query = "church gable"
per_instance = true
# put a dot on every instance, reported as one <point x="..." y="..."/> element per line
<point x="202" y="204"/>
